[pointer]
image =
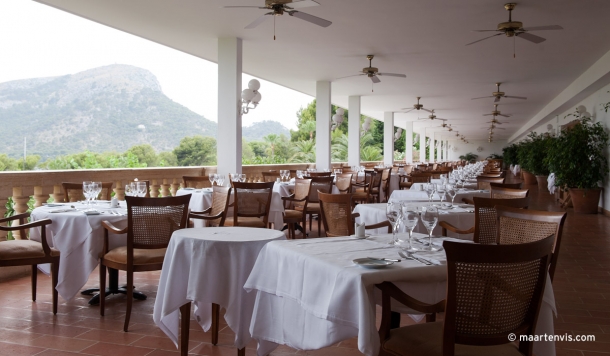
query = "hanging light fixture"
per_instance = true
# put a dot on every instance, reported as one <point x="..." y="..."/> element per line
<point x="337" y="119"/>
<point x="250" y="96"/>
<point x="397" y="134"/>
<point x="366" y="125"/>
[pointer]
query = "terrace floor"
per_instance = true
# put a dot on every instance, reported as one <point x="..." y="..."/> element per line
<point x="582" y="293"/>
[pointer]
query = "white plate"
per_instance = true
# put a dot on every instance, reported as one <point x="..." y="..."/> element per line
<point x="374" y="264"/>
<point x="362" y="238"/>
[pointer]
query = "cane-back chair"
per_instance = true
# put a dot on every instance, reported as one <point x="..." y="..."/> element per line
<point x="295" y="213"/>
<point x="324" y="185"/>
<point x="150" y="225"/>
<point x="508" y="193"/>
<point x="251" y="203"/>
<point x="215" y="215"/>
<point x="506" y="185"/>
<point x="343" y="182"/>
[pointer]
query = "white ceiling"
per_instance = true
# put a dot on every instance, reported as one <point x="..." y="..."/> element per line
<point x="423" y="39"/>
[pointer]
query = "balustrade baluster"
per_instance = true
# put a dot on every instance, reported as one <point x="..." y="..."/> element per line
<point x="154" y="189"/>
<point x="58" y="194"/>
<point x="20" y="206"/>
<point x="39" y="198"/>
<point x="175" y="186"/>
<point x="119" y="190"/>
<point x="165" y="188"/>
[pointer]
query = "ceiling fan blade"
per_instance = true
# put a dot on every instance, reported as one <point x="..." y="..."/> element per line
<point x="244" y="7"/>
<point x="374" y="79"/>
<point x="499" y="128"/>
<point x="484" y="30"/>
<point x="349" y="76"/>
<point x="393" y="75"/>
<point x="503" y="115"/>
<point x="430" y="111"/>
<point x="487" y="114"/>
<point x="299" y="4"/>
<point x="483" y="39"/>
<point x="497" y="99"/>
<point x="544" y="28"/>
<point x="408" y="110"/>
<point x="515" y="97"/>
<point x="530" y="37"/>
<point x="483" y="97"/>
<point x="494" y="122"/>
<point x="259" y="21"/>
<point x="423" y="118"/>
<point x="310" y="18"/>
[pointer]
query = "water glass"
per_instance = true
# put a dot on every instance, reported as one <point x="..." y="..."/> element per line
<point x="96" y="189"/>
<point x="393" y="211"/>
<point x="220" y="180"/>
<point x="86" y="191"/>
<point x="300" y="174"/>
<point x="429" y="218"/>
<point x="242" y="177"/>
<point x="429" y="188"/>
<point x="140" y="189"/>
<point x="409" y="218"/>
<point x="128" y="190"/>
<point x="451" y="190"/>
<point x="440" y="190"/>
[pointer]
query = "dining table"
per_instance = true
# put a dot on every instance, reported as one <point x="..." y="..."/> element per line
<point x="415" y="195"/>
<point x="78" y="234"/>
<point x="333" y="298"/>
<point x="206" y="266"/>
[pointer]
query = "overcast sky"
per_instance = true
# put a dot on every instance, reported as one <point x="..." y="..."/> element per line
<point x="40" y="41"/>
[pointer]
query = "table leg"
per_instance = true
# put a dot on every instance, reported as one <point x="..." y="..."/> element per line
<point x="113" y="288"/>
<point x="215" y="321"/>
<point x="185" y="319"/>
<point x="241" y="352"/>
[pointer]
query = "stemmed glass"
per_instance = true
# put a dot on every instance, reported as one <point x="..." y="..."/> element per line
<point x="338" y="171"/>
<point x="129" y="190"/>
<point x="393" y="214"/>
<point x="452" y="192"/>
<point x="220" y="180"/>
<point x="212" y="179"/>
<point x="429" y="218"/>
<point x="140" y="190"/>
<point x="410" y="218"/>
<point x="95" y="189"/>
<point x="86" y="190"/>
<point x="440" y="190"/>
<point x="429" y="188"/>
<point x="300" y="174"/>
<point x="242" y="178"/>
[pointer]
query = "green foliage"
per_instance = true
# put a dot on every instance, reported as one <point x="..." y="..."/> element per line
<point x="577" y="155"/>
<point x="510" y="154"/>
<point x="10" y="211"/>
<point x="196" y="151"/>
<point x="399" y="155"/>
<point x="146" y="154"/>
<point x="469" y="157"/>
<point x="538" y="151"/>
<point x="304" y="152"/>
<point x="371" y="153"/>
<point x="10" y="164"/>
<point x="167" y="159"/>
<point x="90" y="160"/>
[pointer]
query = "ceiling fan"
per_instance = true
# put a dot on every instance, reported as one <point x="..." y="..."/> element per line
<point x="496" y="112"/>
<point x="516" y="29"/>
<point x="417" y="107"/>
<point x="494" y="121"/>
<point x="493" y="127"/>
<point x="279" y="7"/>
<point x="432" y="116"/>
<point x="499" y="95"/>
<point x="373" y="72"/>
<point x="446" y="126"/>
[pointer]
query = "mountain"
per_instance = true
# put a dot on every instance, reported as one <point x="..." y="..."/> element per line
<point x="260" y="129"/>
<point x="109" y="108"/>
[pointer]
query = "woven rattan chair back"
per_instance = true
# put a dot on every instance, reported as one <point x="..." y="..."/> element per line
<point x="483" y="182"/>
<point x="493" y="291"/>
<point x="270" y="176"/>
<point x="508" y="193"/>
<point x="323" y="184"/>
<point x="343" y="182"/>
<point x="408" y="169"/>
<point x="318" y="174"/>
<point x="302" y="189"/>
<point x="336" y="211"/>
<point x="517" y="226"/>
<point x="221" y="198"/>
<point x="421" y="177"/>
<point x="422" y="167"/>
<point x="485" y="219"/>
<point x="152" y="221"/>
<point x="73" y="192"/>
<point x="252" y="200"/>
<point x="505" y="185"/>
<point x="196" y="182"/>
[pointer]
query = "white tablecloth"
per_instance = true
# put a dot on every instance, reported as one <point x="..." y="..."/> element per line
<point x="201" y="199"/>
<point x="416" y="186"/>
<point x="80" y="239"/>
<point x="461" y="218"/>
<point x="420" y="195"/>
<point x="205" y="266"/>
<point x="330" y="299"/>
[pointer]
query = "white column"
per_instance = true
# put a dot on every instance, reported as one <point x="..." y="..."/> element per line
<point x="446" y="150"/>
<point x="353" y="131"/>
<point x="323" y="114"/>
<point x="422" y="144"/>
<point x="228" y="147"/>
<point x="409" y="142"/>
<point x="432" y="150"/>
<point x="388" y="138"/>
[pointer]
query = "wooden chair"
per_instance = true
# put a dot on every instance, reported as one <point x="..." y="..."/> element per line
<point x="295" y="213"/>
<point x="150" y="224"/>
<point x="508" y="193"/>
<point x="196" y="182"/>
<point x="336" y="214"/>
<point x="386" y="173"/>
<point x="251" y="204"/>
<point x="270" y="176"/>
<point x="217" y="213"/>
<point x="492" y="291"/>
<point x="343" y="182"/>
<point x="404" y="183"/>
<point x="362" y="192"/>
<point x="491" y="175"/>
<point x="505" y="185"/>
<point x="324" y="185"/>
<point x="408" y="169"/>
<point x="73" y="192"/>
<point x="26" y="252"/>
<point x="517" y="226"/>
<point x="485" y="229"/>
<point x="376" y="184"/>
<point x="483" y="182"/>
<point x="421" y="177"/>
<point x="317" y="174"/>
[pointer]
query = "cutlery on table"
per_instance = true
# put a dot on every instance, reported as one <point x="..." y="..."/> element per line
<point x="409" y="256"/>
<point x="383" y="259"/>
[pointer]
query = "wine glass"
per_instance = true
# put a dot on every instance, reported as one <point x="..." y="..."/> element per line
<point x="140" y="189"/>
<point x="299" y="174"/>
<point x="393" y="214"/>
<point x="429" y="218"/>
<point x="220" y="180"/>
<point x="429" y="188"/>
<point x="242" y="177"/>
<point x="410" y="218"/>
<point x="128" y="190"/>
<point x="86" y="190"/>
<point x="452" y="193"/>
<point x="440" y="190"/>
<point x="95" y="189"/>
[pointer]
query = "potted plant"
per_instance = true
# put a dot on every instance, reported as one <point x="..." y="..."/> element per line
<point x="469" y="157"/>
<point x="525" y="161"/>
<point x="577" y="158"/>
<point x="538" y="164"/>
<point x="509" y="154"/>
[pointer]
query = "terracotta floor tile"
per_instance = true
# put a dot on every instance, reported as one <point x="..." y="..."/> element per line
<point x="113" y="337"/>
<point x="58" y="330"/>
<point x="19" y="350"/>
<point x="106" y="349"/>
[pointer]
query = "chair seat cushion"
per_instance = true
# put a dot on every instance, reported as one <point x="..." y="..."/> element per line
<point x="427" y="340"/>
<point x="246" y="221"/>
<point x="141" y="256"/>
<point x="293" y="214"/>
<point x="313" y="208"/>
<point x="21" y="249"/>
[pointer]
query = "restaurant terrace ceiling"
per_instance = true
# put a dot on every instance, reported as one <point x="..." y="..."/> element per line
<point x="423" y="39"/>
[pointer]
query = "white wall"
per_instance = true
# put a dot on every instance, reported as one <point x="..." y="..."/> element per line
<point x="459" y="148"/>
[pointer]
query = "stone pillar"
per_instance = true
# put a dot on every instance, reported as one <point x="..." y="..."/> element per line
<point x="323" y="120"/>
<point x="58" y="194"/>
<point x="20" y="205"/>
<point x="119" y="190"/>
<point x="388" y="138"/>
<point x="154" y="189"/>
<point x="229" y="105"/>
<point x="353" y="155"/>
<point x="409" y="142"/>
<point x="39" y="198"/>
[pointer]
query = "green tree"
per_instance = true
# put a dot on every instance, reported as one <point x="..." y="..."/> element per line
<point x="196" y="151"/>
<point x="309" y="126"/>
<point x="30" y="163"/>
<point x="7" y="163"/>
<point x="146" y="154"/>
<point x="259" y="148"/>
<point x="272" y="140"/>
<point x="247" y="154"/>
<point x="371" y="153"/>
<point x="304" y="152"/>
<point x="167" y="159"/>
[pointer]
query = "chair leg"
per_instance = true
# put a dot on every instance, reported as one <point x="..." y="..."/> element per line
<point x="54" y="279"/>
<point x="310" y="220"/>
<point x="215" y="322"/>
<point x="185" y="318"/>
<point x="34" y="280"/>
<point x="102" y="288"/>
<point x="241" y="352"/>
<point x="129" y="299"/>
<point x="430" y="318"/>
